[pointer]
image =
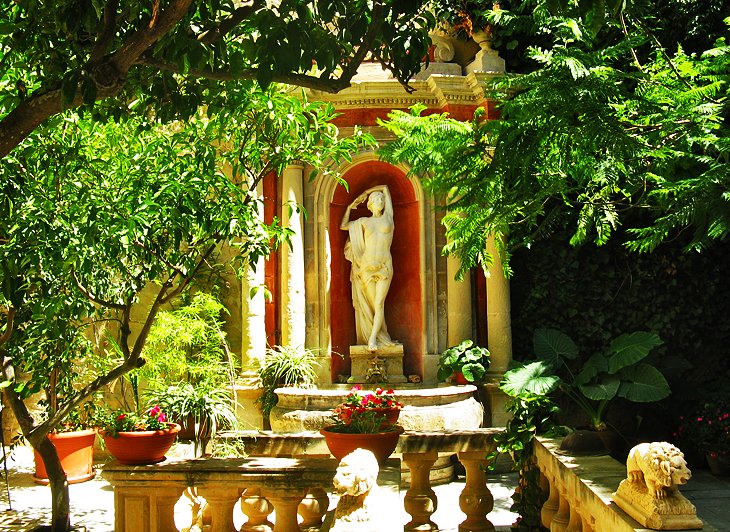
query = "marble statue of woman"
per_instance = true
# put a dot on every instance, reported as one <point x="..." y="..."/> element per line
<point x="368" y="248"/>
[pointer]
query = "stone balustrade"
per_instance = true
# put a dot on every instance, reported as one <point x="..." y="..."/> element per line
<point x="579" y="491"/>
<point x="290" y="474"/>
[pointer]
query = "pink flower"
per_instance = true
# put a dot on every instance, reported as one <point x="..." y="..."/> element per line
<point x="121" y="417"/>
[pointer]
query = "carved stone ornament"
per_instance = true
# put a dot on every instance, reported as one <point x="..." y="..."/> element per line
<point x="650" y="493"/>
<point x="356" y="482"/>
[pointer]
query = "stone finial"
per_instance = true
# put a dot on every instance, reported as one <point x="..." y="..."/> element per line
<point x="650" y="493"/>
<point x="354" y="481"/>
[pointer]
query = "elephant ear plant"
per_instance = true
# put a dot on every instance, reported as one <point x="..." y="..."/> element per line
<point x="618" y="371"/>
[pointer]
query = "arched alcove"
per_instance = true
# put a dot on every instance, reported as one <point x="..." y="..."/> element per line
<point x="403" y="306"/>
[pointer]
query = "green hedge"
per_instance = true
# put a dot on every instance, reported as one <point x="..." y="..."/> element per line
<point x="595" y="294"/>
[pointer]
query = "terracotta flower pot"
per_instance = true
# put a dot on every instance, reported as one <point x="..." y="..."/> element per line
<point x="381" y="444"/>
<point x="76" y="452"/>
<point x="391" y="414"/>
<point x="459" y="378"/>
<point x="141" y="447"/>
<point x="719" y="463"/>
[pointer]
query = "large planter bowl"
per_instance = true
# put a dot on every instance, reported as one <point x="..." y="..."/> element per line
<point x="719" y="463"/>
<point x="142" y="447"/>
<point x="76" y="452"/>
<point x="381" y="444"/>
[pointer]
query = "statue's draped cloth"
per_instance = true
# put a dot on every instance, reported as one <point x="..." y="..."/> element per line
<point x="362" y="273"/>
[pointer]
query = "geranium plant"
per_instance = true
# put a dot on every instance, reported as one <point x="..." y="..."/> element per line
<point x="365" y="413"/>
<point x="708" y="428"/>
<point x="120" y="421"/>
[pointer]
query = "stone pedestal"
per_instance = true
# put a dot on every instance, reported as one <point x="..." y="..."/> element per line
<point x="673" y="512"/>
<point x="369" y="366"/>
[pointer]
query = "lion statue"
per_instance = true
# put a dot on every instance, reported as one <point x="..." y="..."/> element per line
<point x="658" y="465"/>
<point x="354" y="480"/>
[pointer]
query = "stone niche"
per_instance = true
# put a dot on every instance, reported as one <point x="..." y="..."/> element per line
<point x="403" y="305"/>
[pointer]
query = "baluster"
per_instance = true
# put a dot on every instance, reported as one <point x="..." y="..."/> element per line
<point x="285" y="501"/>
<point x="551" y="505"/>
<point x="476" y="501"/>
<point x="221" y="499"/>
<point x="562" y="516"/>
<point x="576" y="521"/>
<point x="313" y="509"/>
<point x="420" y="500"/>
<point x="257" y="509"/>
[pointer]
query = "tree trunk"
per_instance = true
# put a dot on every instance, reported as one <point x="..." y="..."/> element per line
<point x="60" y="500"/>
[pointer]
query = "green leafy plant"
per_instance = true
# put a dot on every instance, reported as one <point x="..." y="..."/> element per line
<point x="209" y="409"/>
<point x="707" y="429"/>
<point x="469" y="359"/>
<point x="284" y="366"/>
<point x="593" y="383"/>
<point x="188" y="344"/>
<point x="116" y="421"/>
<point x="531" y="415"/>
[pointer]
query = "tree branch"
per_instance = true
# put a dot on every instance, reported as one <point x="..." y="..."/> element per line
<point x="107" y="34"/>
<point x="91" y="297"/>
<point x="10" y="316"/>
<point x="143" y="38"/>
<point x="226" y="25"/>
<point x="332" y="85"/>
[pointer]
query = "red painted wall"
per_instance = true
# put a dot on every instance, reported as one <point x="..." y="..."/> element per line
<point x="403" y="309"/>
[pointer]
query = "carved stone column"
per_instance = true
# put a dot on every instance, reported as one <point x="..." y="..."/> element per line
<point x="499" y="334"/>
<point x="459" y="304"/>
<point x="420" y="500"/>
<point x="562" y="517"/>
<point x="221" y="500"/>
<point x="476" y="501"/>
<point x="292" y="310"/>
<point x="257" y="509"/>
<point x="286" y="502"/>
<point x="313" y="509"/>
<point x="550" y="508"/>
<point x="253" y="341"/>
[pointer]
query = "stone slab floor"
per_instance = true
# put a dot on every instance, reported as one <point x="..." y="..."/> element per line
<point x="93" y="501"/>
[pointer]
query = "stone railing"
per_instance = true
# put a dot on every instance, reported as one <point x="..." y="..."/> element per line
<point x="580" y="491"/>
<point x="145" y="496"/>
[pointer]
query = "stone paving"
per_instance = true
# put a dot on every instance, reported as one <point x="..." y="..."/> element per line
<point x="92" y="502"/>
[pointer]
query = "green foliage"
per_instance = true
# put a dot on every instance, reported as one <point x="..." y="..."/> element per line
<point x="617" y="371"/>
<point x="285" y="365"/>
<point x="599" y="293"/>
<point x="210" y="409"/>
<point x="468" y="358"/>
<point x="188" y="344"/>
<point x="583" y="142"/>
<point x="113" y="422"/>
<point x="532" y="414"/>
<point x="168" y="59"/>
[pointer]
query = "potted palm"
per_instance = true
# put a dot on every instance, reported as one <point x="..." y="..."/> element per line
<point x="365" y="420"/>
<point x="466" y="362"/>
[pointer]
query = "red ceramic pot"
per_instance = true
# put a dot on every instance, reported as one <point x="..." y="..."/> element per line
<point x="76" y="452"/>
<point x="459" y="378"/>
<point x="141" y="447"/>
<point x="719" y="463"/>
<point x="391" y="414"/>
<point x="381" y="444"/>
